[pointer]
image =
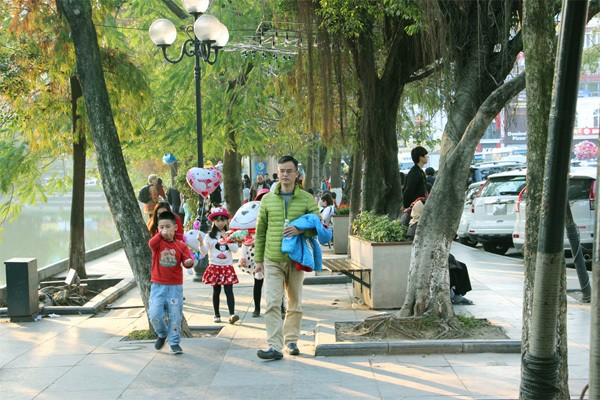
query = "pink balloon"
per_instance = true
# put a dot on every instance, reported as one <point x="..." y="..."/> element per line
<point x="203" y="181"/>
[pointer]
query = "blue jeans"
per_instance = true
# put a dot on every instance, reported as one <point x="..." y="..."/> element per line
<point x="166" y="299"/>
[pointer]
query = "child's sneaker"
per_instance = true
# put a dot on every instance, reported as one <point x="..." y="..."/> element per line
<point x="233" y="319"/>
<point x="160" y="343"/>
<point x="217" y="319"/>
<point x="176" y="349"/>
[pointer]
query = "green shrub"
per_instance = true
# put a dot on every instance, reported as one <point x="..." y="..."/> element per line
<point x="378" y="228"/>
<point x="342" y="210"/>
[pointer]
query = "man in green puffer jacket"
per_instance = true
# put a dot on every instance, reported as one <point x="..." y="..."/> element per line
<point x="277" y="209"/>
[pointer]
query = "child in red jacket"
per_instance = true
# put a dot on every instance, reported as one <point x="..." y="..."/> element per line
<point x="166" y="292"/>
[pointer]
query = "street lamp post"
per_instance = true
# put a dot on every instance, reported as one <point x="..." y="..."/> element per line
<point x="205" y="38"/>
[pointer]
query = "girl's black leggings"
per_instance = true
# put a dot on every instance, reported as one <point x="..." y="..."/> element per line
<point x="230" y="299"/>
<point x="257" y="293"/>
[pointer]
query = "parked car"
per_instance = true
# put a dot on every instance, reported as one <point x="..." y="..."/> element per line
<point x="582" y="197"/>
<point x="480" y="172"/>
<point x="493" y="211"/>
<point x="467" y="216"/>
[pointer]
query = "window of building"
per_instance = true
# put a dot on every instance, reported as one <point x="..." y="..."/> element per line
<point x="597" y="118"/>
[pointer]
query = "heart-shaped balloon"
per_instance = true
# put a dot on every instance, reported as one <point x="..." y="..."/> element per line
<point x="203" y="181"/>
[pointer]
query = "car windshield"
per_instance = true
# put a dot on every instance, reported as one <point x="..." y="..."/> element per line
<point x="481" y="173"/>
<point x="579" y="189"/>
<point x="504" y="186"/>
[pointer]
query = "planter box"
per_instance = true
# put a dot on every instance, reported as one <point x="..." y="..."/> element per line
<point x="388" y="264"/>
<point x="341" y="230"/>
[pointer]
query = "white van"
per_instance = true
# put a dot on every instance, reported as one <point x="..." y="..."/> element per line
<point x="582" y="197"/>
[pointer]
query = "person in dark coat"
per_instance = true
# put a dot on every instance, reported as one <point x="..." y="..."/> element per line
<point x="174" y="199"/>
<point x="460" y="283"/>
<point x="416" y="185"/>
<point x="429" y="177"/>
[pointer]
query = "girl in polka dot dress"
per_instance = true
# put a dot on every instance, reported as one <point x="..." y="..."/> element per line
<point x="220" y="272"/>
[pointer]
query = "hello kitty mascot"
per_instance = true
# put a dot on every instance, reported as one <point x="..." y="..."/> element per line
<point x="245" y="220"/>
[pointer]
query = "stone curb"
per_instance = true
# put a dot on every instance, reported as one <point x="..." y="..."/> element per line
<point x="94" y="306"/>
<point x="326" y="345"/>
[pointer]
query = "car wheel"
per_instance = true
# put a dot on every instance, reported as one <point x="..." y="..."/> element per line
<point x="467" y="241"/>
<point x="495" y="248"/>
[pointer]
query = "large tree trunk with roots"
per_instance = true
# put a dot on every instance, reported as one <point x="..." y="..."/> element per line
<point x="116" y="183"/>
<point x="428" y="282"/>
<point x="479" y="70"/>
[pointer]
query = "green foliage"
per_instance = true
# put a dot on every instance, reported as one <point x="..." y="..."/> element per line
<point x="378" y="228"/>
<point x="345" y="210"/>
<point x="470" y="322"/>
<point x="143" y="334"/>
<point x="351" y="18"/>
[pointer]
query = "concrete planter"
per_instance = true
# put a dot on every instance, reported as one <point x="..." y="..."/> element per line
<point x="388" y="264"/>
<point x="341" y="230"/>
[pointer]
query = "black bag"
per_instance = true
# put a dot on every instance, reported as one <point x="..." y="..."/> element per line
<point x="144" y="194"/>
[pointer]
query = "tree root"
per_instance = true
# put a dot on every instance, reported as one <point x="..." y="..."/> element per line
<point x="65" y="295"/>
<point x="409" y="328"/>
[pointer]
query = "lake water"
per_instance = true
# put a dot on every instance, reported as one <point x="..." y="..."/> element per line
<point x="42" y="231"/>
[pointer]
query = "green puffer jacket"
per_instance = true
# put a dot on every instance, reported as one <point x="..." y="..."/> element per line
<point x="271" y="217"/>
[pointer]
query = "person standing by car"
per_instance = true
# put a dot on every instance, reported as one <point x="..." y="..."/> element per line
<point x="287" y="203"/>
<point x="416" y="185"/>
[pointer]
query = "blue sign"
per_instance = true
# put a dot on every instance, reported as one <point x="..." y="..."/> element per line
<point x="260" y="168"/>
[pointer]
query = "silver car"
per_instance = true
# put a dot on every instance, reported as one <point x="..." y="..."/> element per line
<point x="582" y="198"/>
<point x="493" y="211"/>
<point x="467" y="216"/>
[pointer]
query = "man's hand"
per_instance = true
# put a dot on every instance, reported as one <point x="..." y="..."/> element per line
<point x="188" y="263"/>
<point x="292" y="231"/>
<point x="260" y="267"/>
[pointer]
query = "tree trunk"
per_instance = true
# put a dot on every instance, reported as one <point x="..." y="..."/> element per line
<point x="77" y="231"/>
<point x="356" y="184"/>
<point x="232" y="169"/>
<point x="428" y="283"/>
<point x="232" y="173"/>
<point x="540" y="47"/>
<point x="336" y="170"/>
<point x="117" y="186"/>
<point x="379" y="103"/>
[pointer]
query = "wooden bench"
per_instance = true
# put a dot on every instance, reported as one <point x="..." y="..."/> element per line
<point x="349" y="268"/>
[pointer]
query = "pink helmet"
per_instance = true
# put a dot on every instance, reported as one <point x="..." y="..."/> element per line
<point x="261" y="193"/>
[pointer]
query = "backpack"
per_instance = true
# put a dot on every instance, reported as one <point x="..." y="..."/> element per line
<point x="144" y="194"/>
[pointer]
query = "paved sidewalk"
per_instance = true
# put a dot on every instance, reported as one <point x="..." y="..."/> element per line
<point x="84" y="357"/>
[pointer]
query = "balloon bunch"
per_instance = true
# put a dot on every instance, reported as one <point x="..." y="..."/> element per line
<point x="585" y="150"/>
